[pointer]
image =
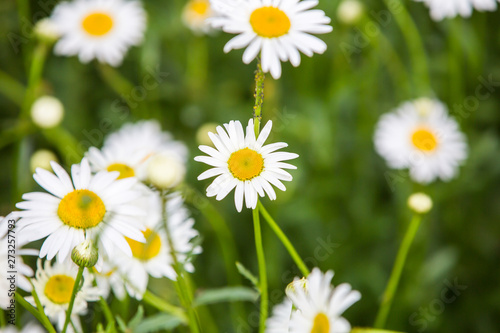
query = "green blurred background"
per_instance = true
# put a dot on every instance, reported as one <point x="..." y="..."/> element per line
<point x="342" y="195"/>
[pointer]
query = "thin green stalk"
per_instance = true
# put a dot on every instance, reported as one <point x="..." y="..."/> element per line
<point x="76" y="287"/>
<point x="284" y="240"/>
<point x="39" y="304"/>
<point x="399" y="264"/>
<point x="259" y="97"/>
<point x="11" y="88"/>
<point x="18" y="131"/>
<point x="67" y="145"/>
<point x="3" y="321"/>
<point x="107" y="313"/>
<point x="39" y="315"/>
<point x="163" y="306"/>
<point x="23" y="14"/>
<point x="36" y="68"/>
<point x="264" y="301"/>
<point x="414" y="43"/>
<point x="455" y="56"/>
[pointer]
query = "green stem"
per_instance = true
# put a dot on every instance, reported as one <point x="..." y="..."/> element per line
<point x="392" y="285"/>
<point x="39" y="304"/>
<point x="262" y="270"/>
<point x="76" y="287"/>
<point x="414" y="43"/>
<point x="67" y="145"/>
<point x="39" y="315"/>
<point x="284" y="240"/>
<point x="259" y="97"/>
<point x="18" y="131"/>
<point x="107" y="313"/>
<point x="3" y="321"/>
<point x="11" y="88"/>
<point x="162" y="305"/>
<point x="35" y="74"/>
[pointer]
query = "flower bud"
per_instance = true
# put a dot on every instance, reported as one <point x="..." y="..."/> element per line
<point x="41" y="159"/>
<point x="202" y="134"/>
<point x="350" y="11"/>
<point x="47" y="31"/>
<point x="420" y="203"/>
<point x="297" y="284"/>
<point x="165" y="171"/>
<point x="47" y="112"/>
<point x="85" y="254"/>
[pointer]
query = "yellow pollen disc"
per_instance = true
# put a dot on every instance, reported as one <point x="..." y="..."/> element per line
<point x="321" y="324"/>
<point x="199" y="7"/>
<point x="269" y="22"/>
<point x="124" y="170"/>
<point x="245" y="164"/>
<point x="148" y="250"/>
<point x="81" y="209"/>
<point x="424" y="140"/>
<point x="59" y="288"/>
<point x="97" y="24"/>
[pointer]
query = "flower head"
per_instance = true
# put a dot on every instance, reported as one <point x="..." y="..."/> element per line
<point x="195" y="15"/>
<point x="441" y="9"/>
<point x="85" y="206"/>
<point x="277" y="30"/>
<point x="98" y="29"/>
<point x="243" y="162"/>
<point x="421" y="136"/>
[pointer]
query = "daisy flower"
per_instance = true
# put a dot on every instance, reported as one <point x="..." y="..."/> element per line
<point x="85" y="206"/>
<point x="54" y="286"/>
<point x="277" y="30"/>
<point x="421" y="136"/>
<point x="100" y="29"/>
<point x="441" y="9"/>
<point x="243" y="162"/>
<point x="154" y="257"/>
<point x="29" y="328"/>
<point x="195" y="15"/>
<point x="131" y="149"/>
<point x="12" y="245"/>
<point x="317" y="306"/>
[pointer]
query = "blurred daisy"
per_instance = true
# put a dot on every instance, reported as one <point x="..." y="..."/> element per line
<point x="54" y="286"/>
<point x="154" y="257"/>
<point x="245" y="163"/>
<point x="276" y="29"/>
<point x="195" y="14"/>
<point x="317" y="306"/>
<point x="86" y="206"/>
<point x="29" y="328"/>
<point x="98" y="29"/>
<point x="441" y="9"/>
<point x="421" y="136"/>
<point x="109" y="279"/>
<point x="14" y="249"/>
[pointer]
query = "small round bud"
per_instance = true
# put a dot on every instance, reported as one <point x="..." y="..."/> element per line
<point x="297" y="284"/>
<point x="350" y="11"/>
<point x="41" y="159"/>
<point x="47" y="31"/>
<point x="85" y="254"/>
<point x="420" y="203"/>
<point x="47" y="112"/>
<point x="202" y="134"/>
<point x="165" y="171"/>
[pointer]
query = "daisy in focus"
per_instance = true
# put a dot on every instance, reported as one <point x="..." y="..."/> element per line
<point x="54" y="286"/>
<point x="85" y="206"/>
<point x="6" y="248"/>
<point x="243" y="162"/>
<point x="97" y="29"/>
<point x="317" y="306"/>
<point x="131" y="150"/>
<point x="441" y="9"/>
<point x="195" y="15"/>
<point x="277" y="30"/>
<point x="421" y="136"/>
<point x="154" y="257"/>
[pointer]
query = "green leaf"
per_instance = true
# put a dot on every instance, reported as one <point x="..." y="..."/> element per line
<point x="226" y="294"/>
<point x="246" y="273"/>
<point x="160" y="321"/>
<point x="371" y="330"/>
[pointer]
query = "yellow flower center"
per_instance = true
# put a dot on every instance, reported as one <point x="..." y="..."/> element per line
<point x="124" y="170"/>
<point x="148" y="250"/>
<point x="424" y="139"/>
<point x="97" y="24"/>
<point x="200" y="7"/>
<point x="59" y="288"/>
<point x="269" y="22"/>
<point x="321" y="324"/>
<point x="81" y="209"/>
<point x="245" y="164"/>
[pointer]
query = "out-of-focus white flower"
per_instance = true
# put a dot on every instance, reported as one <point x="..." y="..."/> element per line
<point x="47" y="112"/>
<point x="441" y="9"/>
<point x="350" y="11"/>
<point x="195" y="15"/>
<point x="46" y="30"/>
<point x="41" y="159"/>
<point x="202" y="134"/>
<point x="166" y="170"/>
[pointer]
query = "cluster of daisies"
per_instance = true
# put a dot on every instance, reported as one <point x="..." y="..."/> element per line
<point x="113" y="201"/>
